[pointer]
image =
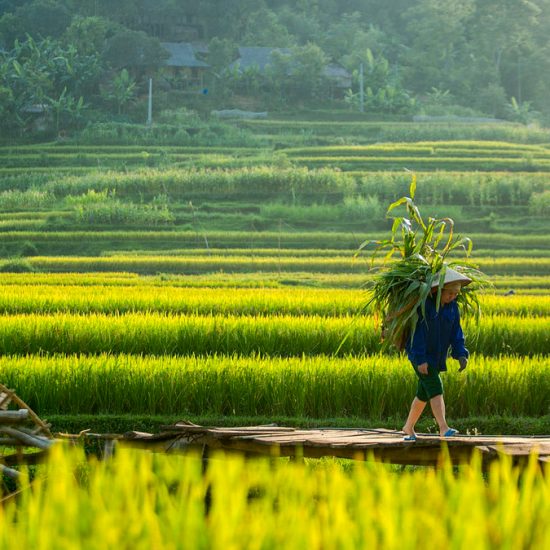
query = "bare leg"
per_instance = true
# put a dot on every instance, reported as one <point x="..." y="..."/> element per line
<point x="417" y="407"/>
<point x="438" y="408"/>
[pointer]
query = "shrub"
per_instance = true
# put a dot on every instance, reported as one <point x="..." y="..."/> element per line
<point x="16" y="266"/>
<point x="367" y="208"/>
<point x="32" y="199"/>
<point x="215" y="133"/>
<point x="101" y="207"/>
<point x="29" y="249"/>
<point x="539" y="203"/>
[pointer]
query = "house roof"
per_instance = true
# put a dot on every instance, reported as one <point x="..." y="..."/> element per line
<point x="256" y="56"/>
<point x="261" y="57"/>
<point x="182" y="54"/>
<point x="336" y="71"/>
<point x="340" y="76"/>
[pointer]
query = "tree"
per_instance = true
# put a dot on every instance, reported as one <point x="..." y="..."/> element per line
<point x="508" y="35"/>
<point x="500" y="27"/>
<point x="383" y="90"/>
<point x="341" y="34"/>
<point x="306" y="71"/>
<point x="439" y="54"/>
<point x="303" y="25"/>
<point x="133" y="49"/>
<point x="228" y="19"/>
<point x="67" y="110"/>
<point x="46" y="77"/>
<point x="89" y="34"/>
<point x="221" y="52"/>
<point x="121" y="91"/>
<point x="263" y="28"/>
<point x="39" y="19"/>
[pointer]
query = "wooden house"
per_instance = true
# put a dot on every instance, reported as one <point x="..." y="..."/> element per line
<point x="260" y="58"/>
<point x="183" y="66"/>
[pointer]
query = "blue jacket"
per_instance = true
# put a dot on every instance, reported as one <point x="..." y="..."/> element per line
<point x="435" y="334"/>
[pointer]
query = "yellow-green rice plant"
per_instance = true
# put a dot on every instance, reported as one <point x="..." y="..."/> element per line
<point x="281" y="335"/>
<point x="141" y="500"/>
<point x="483" y="254"/>
<point x="271" y="239"/>
<point x="493" y="164"/>
<point x="373" y="387"/>
<point x="189" y="334"/>
<point x="520" y="285"/>
<point x="261" y="181"/>
<point x="124" y="295"/>
<point x="380" y="132"/>
<point x="456" y="188"/>
<point x="194" y="264"/>
<point x="451" y="148"/>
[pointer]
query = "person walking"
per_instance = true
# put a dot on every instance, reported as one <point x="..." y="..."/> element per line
<point x="437" y="331"/>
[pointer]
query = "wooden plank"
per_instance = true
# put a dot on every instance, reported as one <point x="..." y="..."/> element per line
<point x="356" y="444"/>
<point x="193" y="428"/>
<point x="163" y="436"/>
<point x="520" y="450"/>
<point x="270" y="440"/>
<point x="358" y="438"/>
<point x="381" y="444"/>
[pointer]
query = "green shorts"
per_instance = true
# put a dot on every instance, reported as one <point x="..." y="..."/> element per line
<point x="429" y="385"/>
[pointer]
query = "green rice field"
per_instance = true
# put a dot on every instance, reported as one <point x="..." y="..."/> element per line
<point x="317" y="386"/>
<point x="227" y="253"/>
<point x="142" y="282"/>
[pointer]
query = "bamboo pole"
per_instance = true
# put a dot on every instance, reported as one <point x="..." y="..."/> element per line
<point x="12" y="397"/>
<point x="28" y="439"/>
<point x="14" y="417"/>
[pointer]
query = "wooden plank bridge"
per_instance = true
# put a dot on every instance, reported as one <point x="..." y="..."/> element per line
<point x="359" y="444"/>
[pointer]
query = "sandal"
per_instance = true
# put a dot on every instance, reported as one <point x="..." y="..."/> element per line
<point x="450" y="432"/>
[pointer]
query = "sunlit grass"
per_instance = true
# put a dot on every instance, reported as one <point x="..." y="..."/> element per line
<point x="140" y="500"/>
<point x="35" y="296"/>
<point x="275" y="335"/>
<point x="373" y="387"/>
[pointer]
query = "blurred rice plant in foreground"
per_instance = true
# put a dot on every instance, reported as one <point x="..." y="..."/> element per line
<point x="139" y="500"/>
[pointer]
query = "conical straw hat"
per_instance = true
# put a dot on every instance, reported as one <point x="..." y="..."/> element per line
<point x="452" y="276"/>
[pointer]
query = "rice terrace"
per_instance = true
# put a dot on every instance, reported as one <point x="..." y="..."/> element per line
<point x="275" y="275"/>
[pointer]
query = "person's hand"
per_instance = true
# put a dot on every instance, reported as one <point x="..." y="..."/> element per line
<point x="463" y="361"/>
<point x="423" y="368"/>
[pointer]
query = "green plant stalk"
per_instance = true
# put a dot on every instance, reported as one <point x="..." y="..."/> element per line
<point x="400" y="288"/>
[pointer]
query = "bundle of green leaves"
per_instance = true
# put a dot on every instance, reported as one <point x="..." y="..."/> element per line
<point x="400" y="287"/>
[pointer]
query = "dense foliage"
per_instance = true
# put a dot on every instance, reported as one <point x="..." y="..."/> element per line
<point x="79" y="61"/>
